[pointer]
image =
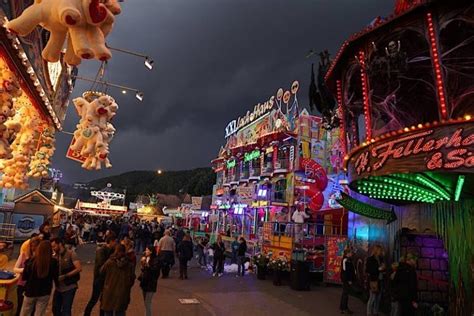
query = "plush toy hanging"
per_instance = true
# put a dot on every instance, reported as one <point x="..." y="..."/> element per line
<point x="84" y="23"/>
<point x="9" y="89"/>
<point x="39" y="165"/>
<point x="15" y="169"/>
<point x="94" y="131"/>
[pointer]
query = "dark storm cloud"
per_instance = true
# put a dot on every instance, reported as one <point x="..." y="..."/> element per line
<point x="214" y="60"/>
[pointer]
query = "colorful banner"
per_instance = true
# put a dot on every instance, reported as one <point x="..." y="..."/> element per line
<point x="246" y="194"/>
<point x="335" y="246"/>
<point x="26" y="225"/>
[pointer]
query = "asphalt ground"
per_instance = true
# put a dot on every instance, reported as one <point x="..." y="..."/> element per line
<point x="227" y="295"/>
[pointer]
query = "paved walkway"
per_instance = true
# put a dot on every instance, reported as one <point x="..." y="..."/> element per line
<point x="228" y="295"/>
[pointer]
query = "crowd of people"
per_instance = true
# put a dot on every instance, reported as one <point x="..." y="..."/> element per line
<point x="49" y="265"/>
<point x="401" y="278"/>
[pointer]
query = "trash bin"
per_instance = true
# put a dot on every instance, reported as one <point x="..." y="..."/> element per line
<point x="6" y="308"/>
<point x="299" y="276"/>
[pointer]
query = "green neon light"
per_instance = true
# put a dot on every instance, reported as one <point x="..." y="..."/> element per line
<point x="231" y="164"/>
<point x="459" y="186"/>
<point x="427" y="182"/>
<point x="252" y="155"/>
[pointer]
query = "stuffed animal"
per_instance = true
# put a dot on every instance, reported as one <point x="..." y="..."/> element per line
<point x="39" y="164"/>
<point x="9" y="89"/>
<point x="94" y="131"/>
<point x="84" y="23"/>
<point x="15" y="169"/>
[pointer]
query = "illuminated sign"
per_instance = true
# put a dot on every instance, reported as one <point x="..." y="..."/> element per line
<point x="445" y="147"/>
<point x="252" y="155"/>
<point x="231" y="164"/>
<point x="102" y="206"/>
<point x="259" y="111"/>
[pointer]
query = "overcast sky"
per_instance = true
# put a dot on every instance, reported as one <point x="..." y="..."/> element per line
<point x="214" y="60"/>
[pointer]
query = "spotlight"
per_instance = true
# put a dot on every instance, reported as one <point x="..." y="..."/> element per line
<point x="149" y="63"/>
<point x="124" y="91"/>
<point x="139" y="96"/>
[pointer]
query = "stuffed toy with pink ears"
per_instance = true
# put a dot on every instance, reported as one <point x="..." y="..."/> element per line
<point x="83" y="23"/>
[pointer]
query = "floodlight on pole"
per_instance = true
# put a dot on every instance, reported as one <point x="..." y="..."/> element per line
<point x="148" y="60"/>
<point x="138" y="94"/>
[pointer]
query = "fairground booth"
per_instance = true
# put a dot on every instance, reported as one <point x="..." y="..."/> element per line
<point x="278" y="158"/>
<point x="405" y="86"/>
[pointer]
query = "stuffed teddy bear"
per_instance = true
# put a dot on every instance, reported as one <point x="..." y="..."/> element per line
<point x="39" y="164"/>
<point x="94" y="131"/>
<point x="84" y="23"/>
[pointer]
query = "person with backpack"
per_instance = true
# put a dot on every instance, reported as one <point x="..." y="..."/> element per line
<point x="39" y="273"/>
<point x="347" y="277"/>
<point x="150" y="272"/>
<point x="69" y="274"/>
<point x="101" y="256"/>
<point x="185" y="253"/>
<point x="119" y="277"/>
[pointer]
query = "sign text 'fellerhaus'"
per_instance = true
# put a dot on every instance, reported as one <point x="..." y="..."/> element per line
<point x="258" y="111"/>
<point x="444" y="147"/>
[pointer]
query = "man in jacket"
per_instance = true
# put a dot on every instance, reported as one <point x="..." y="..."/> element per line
<point x="347" y="277"/>
<point x="101" y="256"/>
<point x="405" y="286"/>
<point x="166" y="249"/>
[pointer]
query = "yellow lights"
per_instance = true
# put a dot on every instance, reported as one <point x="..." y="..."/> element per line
<point x="406" y="129"/>
<point x="420" y="125"/>
<point x="159" y="171"/>
<point x="467" y="117"/>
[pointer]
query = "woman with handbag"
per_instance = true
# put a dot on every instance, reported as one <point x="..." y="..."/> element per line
<point x="375" y="269"/>
<point x="69" y="274"/>
<point x="150" y="266"/>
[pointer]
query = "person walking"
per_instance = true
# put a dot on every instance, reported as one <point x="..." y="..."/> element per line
<point x="241" y="251"/>
<point x="166" y="249"/>
<point x="150" y="272"/>
<point x="118" y="281"/>
<point x="219" y="256"/>
<point x="101" y="256"/>
<point x="19" y="268"/>
<point x="375" y="268"/>
<point x="130" y="251"/>
<point x="69" y="274"/>
<point x="347" y="277"/>
<point x="185" y="253"/>
<point x="406" y="287"/>
<point x="202" y="249"/>
<point x="39" y="273"/>
<point x="235" y="247"/>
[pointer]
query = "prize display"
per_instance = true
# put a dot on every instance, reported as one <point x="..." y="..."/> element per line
<point x="39" y="166"/>
<point x="94" y="131"/>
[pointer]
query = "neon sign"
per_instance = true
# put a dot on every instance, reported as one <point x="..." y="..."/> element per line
<point x="258" y="112"/>
<point x="446" y="147"/>
<point x="252" y="155"/>
<point x="231" y="164"/>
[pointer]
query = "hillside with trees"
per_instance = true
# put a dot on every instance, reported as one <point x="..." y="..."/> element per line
<point x="196" y="182"/>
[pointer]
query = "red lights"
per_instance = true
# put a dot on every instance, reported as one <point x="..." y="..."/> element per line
<point x="437" y="66"/>
<point x="365" y="95"/>
<point x="341" y="111"/>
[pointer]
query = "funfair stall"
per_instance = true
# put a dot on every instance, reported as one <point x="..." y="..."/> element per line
<point x="404" y="87"/>
<point x="277" y="159"/>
